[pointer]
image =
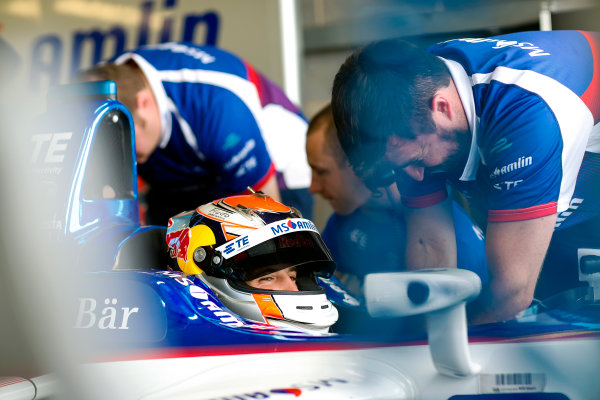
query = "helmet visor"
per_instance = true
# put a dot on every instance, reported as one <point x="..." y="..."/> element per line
<point x="300" y="249"/>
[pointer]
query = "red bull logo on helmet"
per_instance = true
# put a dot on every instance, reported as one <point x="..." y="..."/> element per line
<point x="179" y="242"/>
<point x="178" y="235"/>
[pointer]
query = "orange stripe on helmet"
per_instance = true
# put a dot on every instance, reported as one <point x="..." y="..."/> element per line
<point x="267" y="306"/>
<point x="261" y="203"/>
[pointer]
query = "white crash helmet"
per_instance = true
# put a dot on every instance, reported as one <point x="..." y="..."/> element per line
<point x="240" y="238"/>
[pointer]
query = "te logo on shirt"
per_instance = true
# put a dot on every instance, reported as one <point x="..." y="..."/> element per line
<point x="507" y="185"/>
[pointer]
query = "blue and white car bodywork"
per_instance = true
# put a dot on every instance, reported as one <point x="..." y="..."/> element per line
<point x="154" y="333"/>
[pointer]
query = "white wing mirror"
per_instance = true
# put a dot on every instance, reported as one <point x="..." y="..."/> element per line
<point x="440" y="294"/>
<point x="589" y="269"/>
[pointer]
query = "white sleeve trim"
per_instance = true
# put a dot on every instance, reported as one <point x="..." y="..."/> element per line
<point x="573" y="116"/>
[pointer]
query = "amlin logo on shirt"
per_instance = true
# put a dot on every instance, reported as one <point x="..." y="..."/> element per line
<point x="520" y="163"/>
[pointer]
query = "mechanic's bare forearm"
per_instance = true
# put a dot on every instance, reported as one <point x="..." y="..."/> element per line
<point x="430" y="237"/>
<point x="515" y="254"/>
<point x="495" y="303"/>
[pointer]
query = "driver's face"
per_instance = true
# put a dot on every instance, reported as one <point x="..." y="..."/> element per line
<point x="284" y="279"/>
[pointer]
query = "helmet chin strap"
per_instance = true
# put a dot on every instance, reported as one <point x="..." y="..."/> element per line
<point x="310" y="311"/>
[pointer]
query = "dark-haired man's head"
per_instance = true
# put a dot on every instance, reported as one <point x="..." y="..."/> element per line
<point x="395" y="103"/>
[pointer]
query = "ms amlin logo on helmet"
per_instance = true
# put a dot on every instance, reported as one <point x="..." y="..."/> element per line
<point x="285" y="227"/>
<point x="270" y="231"/>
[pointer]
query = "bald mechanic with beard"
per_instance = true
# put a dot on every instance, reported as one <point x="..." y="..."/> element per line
<point x="512" y="122"/>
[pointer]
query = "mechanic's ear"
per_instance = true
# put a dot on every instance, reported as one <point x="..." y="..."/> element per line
<point x="441" y="110"/>
<point x="144" y="100"/>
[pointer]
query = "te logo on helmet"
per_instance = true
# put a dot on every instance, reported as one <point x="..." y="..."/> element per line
<point x="236" y="244"/>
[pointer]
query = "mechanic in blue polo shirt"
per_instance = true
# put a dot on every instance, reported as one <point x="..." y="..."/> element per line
<point x="512" y="121"/>
<point x="208" y="125"/>
<point x="366" y="232"/>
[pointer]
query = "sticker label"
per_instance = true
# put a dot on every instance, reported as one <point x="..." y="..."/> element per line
<point x="511" y="396"/>
<point x="516" y="382"/>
